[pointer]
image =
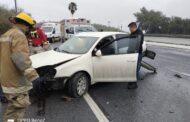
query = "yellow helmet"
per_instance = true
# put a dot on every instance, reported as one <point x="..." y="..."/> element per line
<point x="25" y="17"/>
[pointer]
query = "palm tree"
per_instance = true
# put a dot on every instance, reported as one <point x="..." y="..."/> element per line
<point x="72" y="7"/>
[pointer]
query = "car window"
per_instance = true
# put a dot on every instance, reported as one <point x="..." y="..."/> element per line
<point x="106" y="51"/>
<point x="72" y="30"/>
<point x="85" y="29"/>
<point x="77" y="45"/>
<point x="47" y="29"/>
<point x="104" y="41"/>
<point x="121" y="36"/>
<point x="121" y="46"/>
<point x="110" y="49"/>
<point x="127" y="45"/>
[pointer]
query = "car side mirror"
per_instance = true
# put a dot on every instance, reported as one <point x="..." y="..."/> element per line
<point x="55" y="48"/>
<point x="98" y="53"/>
<point x="67" y="31"/>
<point x="53" y="31"/>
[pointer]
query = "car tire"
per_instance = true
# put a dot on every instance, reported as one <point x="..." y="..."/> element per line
<point x="53" y="40"/>
<point x="50" y="40"/>
<point x="60" y="39"/>
<point x="132" y="85"/>
<point x="78" y="85"/>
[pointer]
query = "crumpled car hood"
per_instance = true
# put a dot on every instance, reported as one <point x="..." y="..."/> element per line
<point x="50" y="58"/>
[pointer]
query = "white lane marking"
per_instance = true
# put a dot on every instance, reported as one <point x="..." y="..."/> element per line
<point x="186" y="74"/>
<point x="169" y="45"/>
<point x="96" y="110"/>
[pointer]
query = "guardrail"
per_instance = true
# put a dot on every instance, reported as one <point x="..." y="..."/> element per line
<point x="169" y="45"/>
<point x="169" y="35"/>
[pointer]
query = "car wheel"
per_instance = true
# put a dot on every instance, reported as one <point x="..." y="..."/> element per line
<point x="50" y="40"/>
<point x="78" y="85"/>
<point x="132" y="85"/>
<point x="60" y="40"/>
<point x="53" y="40"/>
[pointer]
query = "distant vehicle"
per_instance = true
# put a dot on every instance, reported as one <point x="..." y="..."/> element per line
<point x="72" y="27"/>
<point x="75" y="29"/>
<point x="52" y="31"/>
<point x="88" y="58"/>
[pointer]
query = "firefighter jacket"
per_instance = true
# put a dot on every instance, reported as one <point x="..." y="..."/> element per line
<point x="16" y="71"/>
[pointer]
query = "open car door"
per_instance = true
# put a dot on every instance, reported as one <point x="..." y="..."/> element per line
<point x="116" y="61"/>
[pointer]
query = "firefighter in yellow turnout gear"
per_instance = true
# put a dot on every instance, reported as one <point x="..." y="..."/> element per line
<point x="16" y="71"/>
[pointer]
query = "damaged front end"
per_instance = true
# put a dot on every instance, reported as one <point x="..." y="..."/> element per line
<point x="47" y="73"/>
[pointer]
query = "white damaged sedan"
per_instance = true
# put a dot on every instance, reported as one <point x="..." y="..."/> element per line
<point x="88" y="58"/>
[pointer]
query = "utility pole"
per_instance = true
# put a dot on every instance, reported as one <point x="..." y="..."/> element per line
<point x="109" y="23"/>
<point x="121" y="27"/>
<point x="16" y="6"/>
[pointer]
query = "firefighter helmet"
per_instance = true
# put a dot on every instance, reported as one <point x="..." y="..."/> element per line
<point x="25" y="17"/>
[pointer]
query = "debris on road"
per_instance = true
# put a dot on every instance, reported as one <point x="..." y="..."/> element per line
<point x="178" y="76"/>
<point x="171" y="112"/>
<point x="148" y="66"/>
<point x="66" y="98"/>
<point x="107" y="103"/>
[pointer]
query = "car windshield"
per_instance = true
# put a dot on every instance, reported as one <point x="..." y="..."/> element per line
<point x="47" y="29"/>
<point x="78" y="45"/>
<point x="85" y="29"/>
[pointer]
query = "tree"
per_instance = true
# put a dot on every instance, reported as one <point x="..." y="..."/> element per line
<point x="72" y="8"/>
<point x="5" y="13"/>
<point x="155" y="22"/>
<point x="101" y="27"/>
<point x="152" y="21"/>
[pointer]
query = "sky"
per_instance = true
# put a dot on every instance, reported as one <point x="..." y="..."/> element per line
<point x="117" y="12"/>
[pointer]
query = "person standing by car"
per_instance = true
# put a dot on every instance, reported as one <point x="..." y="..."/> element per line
<point x="137" y="32"/>
<point x="37" y="40"/>
<point x="16" y="72"/>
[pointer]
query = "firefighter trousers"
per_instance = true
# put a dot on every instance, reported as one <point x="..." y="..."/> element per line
<point x="17" y="104"/>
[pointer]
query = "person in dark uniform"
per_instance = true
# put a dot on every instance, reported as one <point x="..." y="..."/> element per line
<point x="137" y="32"/>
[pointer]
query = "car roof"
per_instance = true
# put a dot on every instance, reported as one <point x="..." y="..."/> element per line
<point x="80" y="25"/>
<point x="98" y="34"/>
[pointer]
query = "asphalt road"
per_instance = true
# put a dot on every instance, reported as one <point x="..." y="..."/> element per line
<point x="160" y="97"/>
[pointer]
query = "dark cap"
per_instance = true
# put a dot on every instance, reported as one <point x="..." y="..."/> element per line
<point x="132" y="23"/>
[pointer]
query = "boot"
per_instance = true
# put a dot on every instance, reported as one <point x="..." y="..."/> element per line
<point x="3" y="100"/>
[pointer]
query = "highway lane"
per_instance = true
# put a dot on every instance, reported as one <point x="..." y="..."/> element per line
<point x="58" y="110"/>
<point x="159" y="97"/>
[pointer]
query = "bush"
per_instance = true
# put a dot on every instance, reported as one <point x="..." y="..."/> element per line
<point x="155" y="22"/>
<point x="100" y="27"/>
<point x="5" y="13"/>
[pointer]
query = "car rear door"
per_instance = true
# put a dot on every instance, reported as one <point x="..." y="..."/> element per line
<point x="118" y="61"/>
